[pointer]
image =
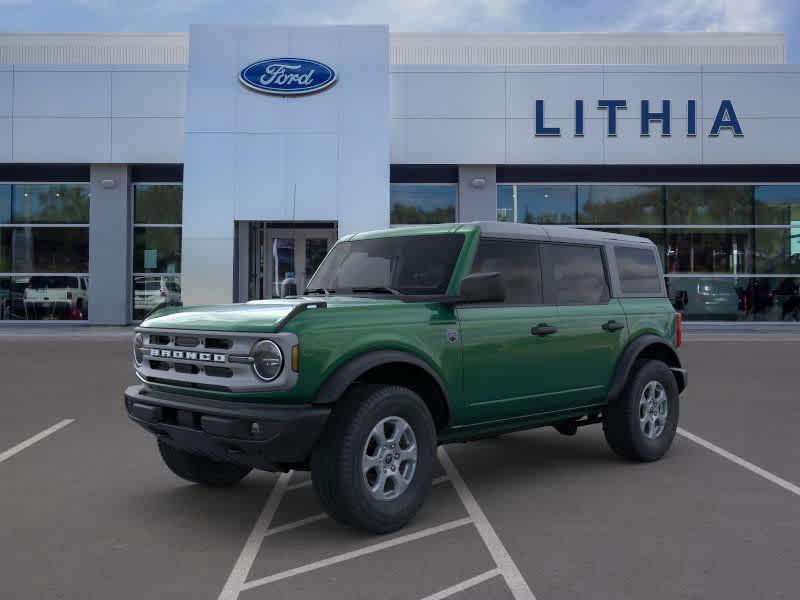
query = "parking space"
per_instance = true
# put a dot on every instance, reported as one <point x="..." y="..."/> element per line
<point x="88" y="511"/>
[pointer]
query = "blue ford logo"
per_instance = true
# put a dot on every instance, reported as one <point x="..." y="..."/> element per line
<point x="287" y="76"/>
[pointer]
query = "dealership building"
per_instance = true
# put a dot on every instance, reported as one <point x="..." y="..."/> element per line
<point x="219" y="165"/>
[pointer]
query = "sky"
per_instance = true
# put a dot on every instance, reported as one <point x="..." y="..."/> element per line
<point x="414" y="15"/>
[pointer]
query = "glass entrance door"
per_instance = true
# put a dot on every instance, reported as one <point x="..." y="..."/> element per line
<point x="283" y="259"/>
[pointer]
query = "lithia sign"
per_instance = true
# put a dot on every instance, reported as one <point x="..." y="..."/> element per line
<point x="726" y="119"/>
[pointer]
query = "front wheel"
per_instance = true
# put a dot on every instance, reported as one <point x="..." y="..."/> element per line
<point x="640" y="423"/>
<point x="199" y="469"/>
<point x="373" y="466"/>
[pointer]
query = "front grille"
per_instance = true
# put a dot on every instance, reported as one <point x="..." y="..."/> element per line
<point x="199" y="360"/>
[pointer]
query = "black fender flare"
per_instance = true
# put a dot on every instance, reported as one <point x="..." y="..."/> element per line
<point x="634" y="350"/>
<point x="346" y="374"/>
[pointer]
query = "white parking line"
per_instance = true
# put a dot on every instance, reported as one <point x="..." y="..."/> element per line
<point x="464" y="585"/>
<point x="296" y="524"/>
<point x="787" y="485"/>
<point x="33" y="439"/>
<point x="298" y="486"/>
<point x="356" y="553"/>
<point x="516" y="583"/>
<point x="241" y="568"/>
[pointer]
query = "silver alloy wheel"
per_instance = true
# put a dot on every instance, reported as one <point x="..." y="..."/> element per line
<point x="653" y="409"/>
<point x="389" y="459"/>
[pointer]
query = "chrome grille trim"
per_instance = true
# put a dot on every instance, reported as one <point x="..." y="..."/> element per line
<point x="229" y="369"/>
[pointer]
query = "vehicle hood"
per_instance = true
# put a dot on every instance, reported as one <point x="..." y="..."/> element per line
<point x="261" y="316"/>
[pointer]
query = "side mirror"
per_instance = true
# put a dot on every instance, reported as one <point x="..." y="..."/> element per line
<point x="482" y="287"/>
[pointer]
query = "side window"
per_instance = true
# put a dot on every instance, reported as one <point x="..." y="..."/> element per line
<point x="576" y="274"/>
<point x="518" y="263"/>
<point x="638" y="271"/>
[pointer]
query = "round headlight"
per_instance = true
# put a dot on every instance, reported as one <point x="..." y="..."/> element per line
<point x="267" y="360"/>
<point x="138" y="343"/>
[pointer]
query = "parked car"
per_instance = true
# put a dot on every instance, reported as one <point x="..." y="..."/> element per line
<point x="56" y="297"/>
<point x="152" y="292"/>
<point x="409" y="338"/>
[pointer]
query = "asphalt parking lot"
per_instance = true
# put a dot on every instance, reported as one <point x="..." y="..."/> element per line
<point x="88" y="511"/>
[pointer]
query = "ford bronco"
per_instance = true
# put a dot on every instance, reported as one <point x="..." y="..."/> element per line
<point x="408" y="338"/>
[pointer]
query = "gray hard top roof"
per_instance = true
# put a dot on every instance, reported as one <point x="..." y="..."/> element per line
<point x="558" y="233"/>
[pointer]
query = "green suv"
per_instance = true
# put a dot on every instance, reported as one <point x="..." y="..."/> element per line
<point x="408" y="338"/>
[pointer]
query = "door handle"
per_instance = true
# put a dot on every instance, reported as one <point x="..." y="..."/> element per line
<point x="613" y="326"/>
<point x="543" y="330"/>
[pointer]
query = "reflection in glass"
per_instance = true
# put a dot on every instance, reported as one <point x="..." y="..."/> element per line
<point x="316" y="249"/>
<point x="44" y="249"/>
<point x="284" y="279"/>
<point x="44" y="297"/>
<point x="709" y="205"/>
<point x="709" y="251"/>
<point x="736" y="298"/>
<point x="157" y="249"/>
<point x="546" y="204"/>
<point x="158" y="204"/>
<point x="777" y="205"/>
<point x="152" y="292"/>
<point x="620" y="205"/>
<point x="505" y="203"/>
<point x="778" y="250"/>
<point x="25" y="203"/>
<point x="414" y="204"/>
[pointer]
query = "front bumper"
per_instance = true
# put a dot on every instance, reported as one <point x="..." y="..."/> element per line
<point x="268" y="437"/>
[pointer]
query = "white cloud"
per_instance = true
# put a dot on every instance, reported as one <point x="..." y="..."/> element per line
<point x="415" y="15"/>
<point x="704" y="15"/>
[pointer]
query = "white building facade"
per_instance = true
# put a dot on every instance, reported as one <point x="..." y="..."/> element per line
<point x="141" y="170"/>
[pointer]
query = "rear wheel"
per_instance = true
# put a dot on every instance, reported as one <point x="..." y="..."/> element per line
<point x="199" y="469"/>
<point x="640" y="423"/>
<point x="373" y="466"/>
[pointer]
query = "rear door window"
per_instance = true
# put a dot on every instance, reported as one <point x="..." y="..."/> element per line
<point x="574" y="274"/>
<point x="518" y="263"/>
<point x="638" y="271"/>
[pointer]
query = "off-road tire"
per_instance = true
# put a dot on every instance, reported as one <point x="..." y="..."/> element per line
<point x="199" y="469"/>
<point x="621" y="420"/>
<point x="336" y="470"/>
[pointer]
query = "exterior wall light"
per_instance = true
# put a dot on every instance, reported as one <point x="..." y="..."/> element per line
<point x="478" y="182"/>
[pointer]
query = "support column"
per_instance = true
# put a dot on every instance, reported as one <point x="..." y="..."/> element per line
<point x="109" y="243"/>
<point x="477" y="193"/>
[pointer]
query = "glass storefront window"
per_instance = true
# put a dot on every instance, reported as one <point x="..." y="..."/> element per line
<point x="778" y="250"/>
<point x="736" y="298"/>
<point x="44" y="204"/>
<point x="422" y="203"/>
<point x="157" y="214"/>
<point x="554" y="205"/>
<point x="709" y="251"/>
<point x="777" y="205"/>
<point x="44" y="251"/>
<point x="620" y="205"/>
<point x="158" y="204"/>
<point x="709" y="205"/>
<point x="152" y="292"/>
<point x="157" y="250"/>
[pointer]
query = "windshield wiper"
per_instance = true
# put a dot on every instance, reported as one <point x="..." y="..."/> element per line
<point x="320" y="290"/>
<point x="378" y="289"/>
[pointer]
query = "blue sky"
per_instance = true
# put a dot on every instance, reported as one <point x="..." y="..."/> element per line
<point x="414" y="15"/>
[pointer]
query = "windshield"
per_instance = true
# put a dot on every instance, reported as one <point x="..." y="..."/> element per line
<point x="416" y="264"/>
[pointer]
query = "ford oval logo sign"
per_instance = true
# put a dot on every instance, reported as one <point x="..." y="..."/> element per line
<point x="287" y="76"/>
